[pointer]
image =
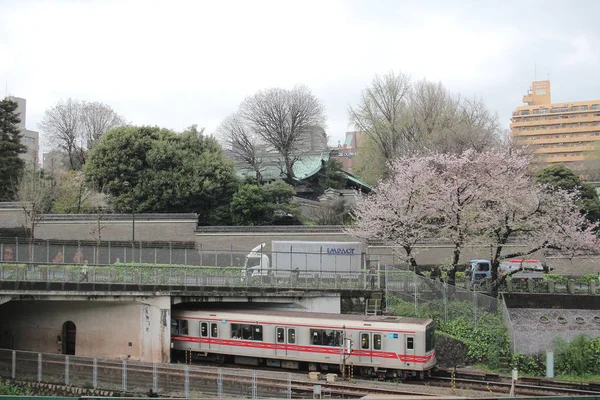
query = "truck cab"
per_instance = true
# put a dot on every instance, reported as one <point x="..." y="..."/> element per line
<point x="257" y="263"/>
<point x="478" y="271"/>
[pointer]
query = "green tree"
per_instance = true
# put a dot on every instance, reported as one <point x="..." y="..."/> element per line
<point x="272" y="203"/>
<point x="280" y="199"/>
<point x="11" y="166"/>
<point x="166" y="172"/>
<point x="249" y="206"/>
<point x="561" y="177"/>
<point x="331" y="176"/>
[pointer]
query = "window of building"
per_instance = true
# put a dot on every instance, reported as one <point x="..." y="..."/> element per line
<point x="536" y="111"/>
<point x="247" y="332"/>
<point x="524" y="112"/>
<point x="584" y="108"/>
<point x="544" y="111"/>
<point x="595" y="107"/>
<point x="575" y="108"/>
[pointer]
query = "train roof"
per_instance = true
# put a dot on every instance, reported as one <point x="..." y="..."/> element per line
<point x="322" y="316"/>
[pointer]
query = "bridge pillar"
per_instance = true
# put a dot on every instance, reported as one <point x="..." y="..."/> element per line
<point x="155" y="335"/>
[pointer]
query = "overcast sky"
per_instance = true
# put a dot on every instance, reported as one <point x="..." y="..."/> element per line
<point x="177" y="63"/>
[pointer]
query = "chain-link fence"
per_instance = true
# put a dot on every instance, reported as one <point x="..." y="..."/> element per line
<point x="174" y="380"/>
<point x="412" y="294"/>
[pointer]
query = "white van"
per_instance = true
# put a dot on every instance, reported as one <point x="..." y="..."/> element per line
<point x="529" y="269"/>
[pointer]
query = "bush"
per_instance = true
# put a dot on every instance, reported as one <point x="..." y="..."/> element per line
<point x="8" y="389"/>
<point x="486" y="339"/>
<point x="581" y="356"/>
<point x="529" y="365"/>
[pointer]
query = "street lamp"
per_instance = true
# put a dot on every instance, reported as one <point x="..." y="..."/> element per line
<point x="128" y="185"/>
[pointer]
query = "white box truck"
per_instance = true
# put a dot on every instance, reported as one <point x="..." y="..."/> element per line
<point x="304" y="258"/>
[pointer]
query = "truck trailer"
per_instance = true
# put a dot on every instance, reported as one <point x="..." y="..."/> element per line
<point x="305" y="259"/>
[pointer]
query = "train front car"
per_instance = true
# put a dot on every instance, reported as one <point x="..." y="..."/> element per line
<point x="390" y="347"/>
<point x="381" y="346"/>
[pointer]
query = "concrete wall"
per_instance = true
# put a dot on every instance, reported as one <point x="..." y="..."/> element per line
<point x="174" y="227"/>
<point x="104" y="329"/>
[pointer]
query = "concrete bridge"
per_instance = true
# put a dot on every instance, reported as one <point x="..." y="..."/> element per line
<point x="125" y="312"/>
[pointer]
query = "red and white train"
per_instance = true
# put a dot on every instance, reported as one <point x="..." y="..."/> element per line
<point x="381" y="346"/>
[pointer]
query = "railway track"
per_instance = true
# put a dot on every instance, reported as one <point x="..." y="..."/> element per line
<point x="173" y="379"/>
<point x="206" y="379"/>
<point x="525" y="386"/>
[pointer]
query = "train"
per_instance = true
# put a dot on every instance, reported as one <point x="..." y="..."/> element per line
<point x="370" y="345"/>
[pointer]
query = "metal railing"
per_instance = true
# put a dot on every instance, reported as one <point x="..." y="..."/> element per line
<point x="180" y="380"/>
<point x="129" y="276"/>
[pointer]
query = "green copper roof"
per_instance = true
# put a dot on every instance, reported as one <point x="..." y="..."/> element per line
<point x="308" y="165"/>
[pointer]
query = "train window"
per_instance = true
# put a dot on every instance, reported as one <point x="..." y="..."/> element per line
<point x="236" y="331"/>
<point x="376" y="341"/>
<point x="280" y="335"/>
<point x="257" y="330"/>
<point x="179" y="327"/>
<point x="364" y="341"/>
<point x="325" y="337"/>
<point x="214" y="330"/>
<point x="204" y="329"/>
<point x="246" y="332"/>
<point x="429" y="337"/>
<point x="410" y="343"/>
<point x="291" y="335"/>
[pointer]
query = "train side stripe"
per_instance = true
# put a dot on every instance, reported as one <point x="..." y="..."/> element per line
<point x="304" y="349"/>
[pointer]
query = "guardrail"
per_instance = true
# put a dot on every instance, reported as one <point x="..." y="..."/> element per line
<point x="129" y="376"/>
<point x="106" y="277"/>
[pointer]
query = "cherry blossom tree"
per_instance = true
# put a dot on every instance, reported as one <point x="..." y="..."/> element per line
<point x="517" y="207"/>
<point x="474" y="198"/>
<point x="399" y="212"/>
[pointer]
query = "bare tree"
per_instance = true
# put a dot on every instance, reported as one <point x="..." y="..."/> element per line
<point x="34" y="193"/>
<point x="62" y="125"/>
<point x="382" y="114"/>
<point x="403" y="119"/>
<point x="97" y="119"/>
<point x="244" y="143"/>
<point x="73" y="125"/>
<point x="281" y="117"/>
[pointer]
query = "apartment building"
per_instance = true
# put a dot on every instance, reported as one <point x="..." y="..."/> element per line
<point x="556" y="133"/>
<point x="31" y="139"/>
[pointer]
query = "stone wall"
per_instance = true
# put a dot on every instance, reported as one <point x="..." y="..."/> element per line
<point x="538" y="320"/>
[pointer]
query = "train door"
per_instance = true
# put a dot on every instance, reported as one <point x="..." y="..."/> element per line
<point x="285" y="340"/>
<point x="204" y="342"/>
<point x="366" y="353"/>
<point x="409" y="349"/>
<point x="214" y="336"/>
<point x="376" y="345"/>
<point x="291" y="342"/>
<point x="280" y="345"/>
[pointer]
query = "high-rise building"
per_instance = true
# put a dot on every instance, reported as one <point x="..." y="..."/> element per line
<point x="31" y="139"/>
<point x="346" y="152"/>
<point x="556" y="133"/>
